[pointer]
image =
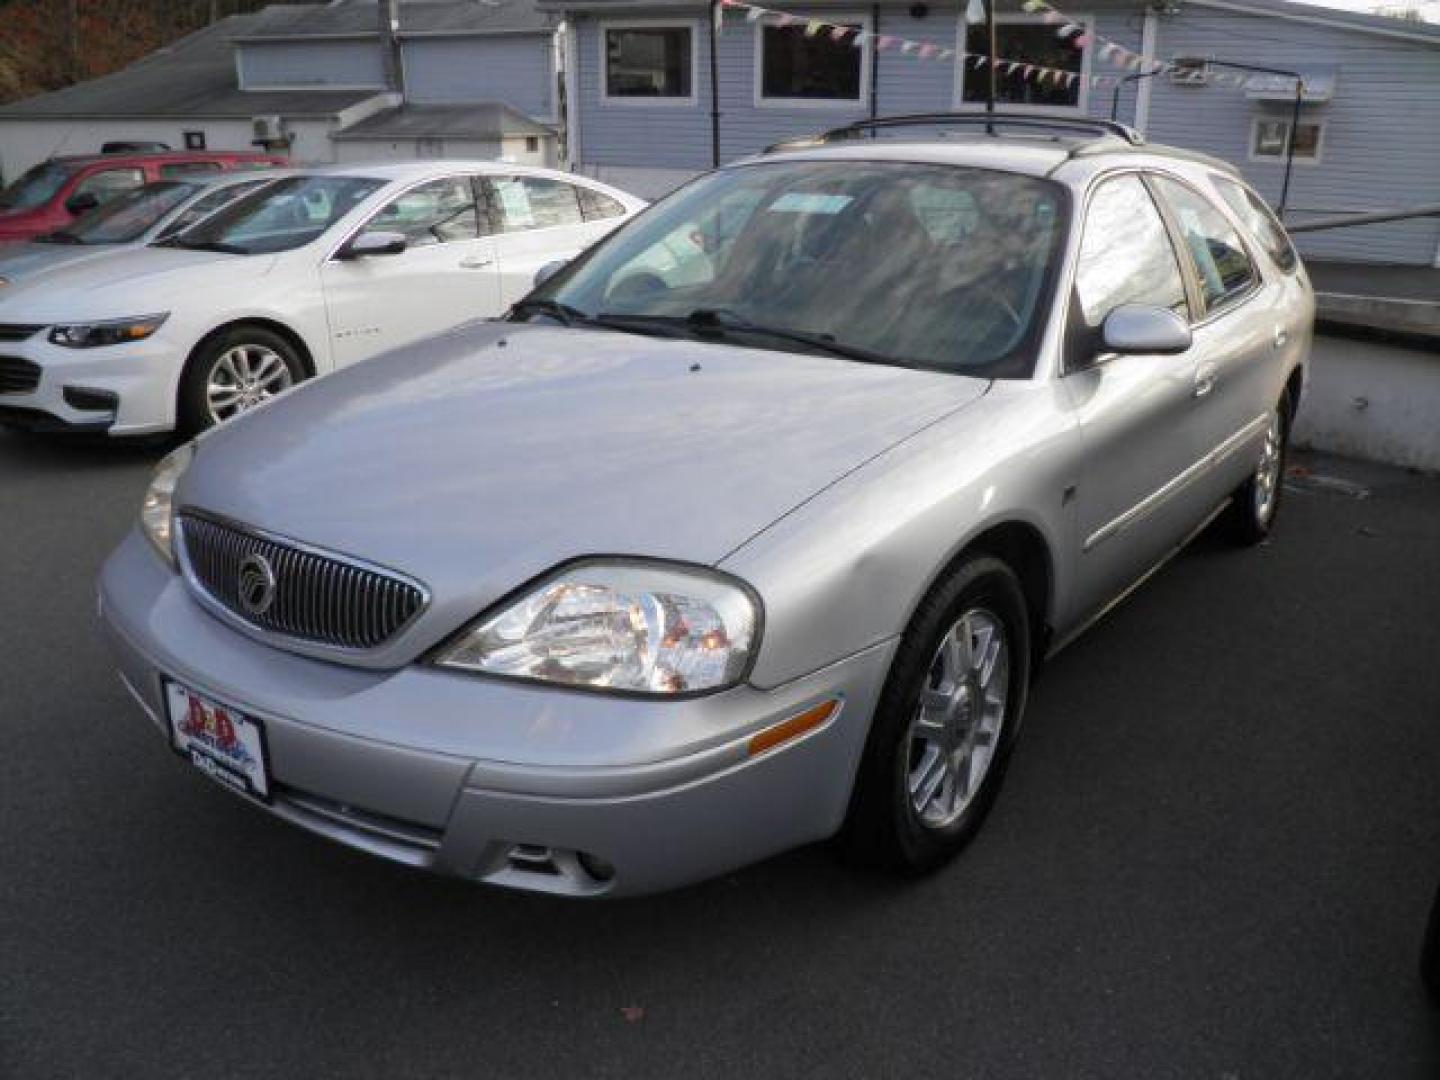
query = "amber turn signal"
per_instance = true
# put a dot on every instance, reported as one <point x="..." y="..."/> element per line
<point x="793" y="728"/>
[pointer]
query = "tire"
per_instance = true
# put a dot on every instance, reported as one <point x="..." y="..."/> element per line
<point x="1256" y="503"/>
<point x="1430" y="953"/>
<point x="229" y="358"/>
<point x="891" y="824"/>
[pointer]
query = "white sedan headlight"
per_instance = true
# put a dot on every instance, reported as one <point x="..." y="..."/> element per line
<point x="93" y="335"/>
<point x="637" y="627"/>
<point x="155" y="511"/>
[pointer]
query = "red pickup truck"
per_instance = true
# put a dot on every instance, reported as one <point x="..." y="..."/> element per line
<point x="55" y="192"/>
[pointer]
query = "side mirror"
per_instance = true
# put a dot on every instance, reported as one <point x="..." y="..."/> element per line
<point x="1141" y="328"/>
<point x="82" y="203"/>
<point x="373" y="243"/>
<point x="549" y="270"/>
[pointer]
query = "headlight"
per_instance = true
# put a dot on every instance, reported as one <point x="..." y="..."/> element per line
<point x="155" y="511"/>
<point x="640" y="627"/>
<point x="92" y="335"/>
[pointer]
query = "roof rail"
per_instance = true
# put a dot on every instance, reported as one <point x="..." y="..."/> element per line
<point x="1001" y="117"/>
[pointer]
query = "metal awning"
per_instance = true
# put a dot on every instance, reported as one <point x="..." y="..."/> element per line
<point x="1319" y="86"/>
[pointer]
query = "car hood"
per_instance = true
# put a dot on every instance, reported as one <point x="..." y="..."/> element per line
<point x="19" y="262"/>
<point x="121" y="282"/>
<point x="484" y="457"/>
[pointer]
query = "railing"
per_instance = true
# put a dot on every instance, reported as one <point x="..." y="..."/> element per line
<point x="1374" y="217"/>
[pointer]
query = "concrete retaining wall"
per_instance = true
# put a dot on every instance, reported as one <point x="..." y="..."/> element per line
<point x="1373" y="401"/>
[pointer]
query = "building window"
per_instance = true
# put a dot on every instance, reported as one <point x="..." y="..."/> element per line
<point x="796" y="67"/>
<point x="194" y="140"/>
<point x="1026" y="41"/>
<point x="532" y="144"/>
<point x="1270" y="137"/>
<point x="648" y="63"/>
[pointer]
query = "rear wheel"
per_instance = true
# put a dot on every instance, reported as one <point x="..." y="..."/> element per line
<point x="1256" y="502"/>
<point x="945" y="723"/>
<point x="233" y="371"/>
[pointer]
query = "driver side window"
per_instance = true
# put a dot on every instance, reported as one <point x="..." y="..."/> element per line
<point x="1125" y="255"/>
<point x="437" y="212"/>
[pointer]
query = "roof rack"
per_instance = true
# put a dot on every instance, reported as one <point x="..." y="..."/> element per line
<point x="1092" y="125"/>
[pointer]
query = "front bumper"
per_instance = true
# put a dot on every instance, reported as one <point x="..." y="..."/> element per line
<point x="121" y="389"/>
<point x="500" y="782"/>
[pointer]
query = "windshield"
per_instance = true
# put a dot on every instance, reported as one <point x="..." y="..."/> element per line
<point x="281" y="216"/>
<point x="127" y="217"/>
<point x="207" y="204"/>
<point x="34" y="188"/>
<point x="921" y="265"/>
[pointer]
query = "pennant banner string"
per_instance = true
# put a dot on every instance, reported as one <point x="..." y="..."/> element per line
<point x="1068" y="29"/>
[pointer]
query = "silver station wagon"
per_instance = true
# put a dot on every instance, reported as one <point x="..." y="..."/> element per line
<point x="747" y="528"/>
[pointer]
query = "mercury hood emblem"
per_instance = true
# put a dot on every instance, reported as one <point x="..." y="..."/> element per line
<point x="257" y="584"/>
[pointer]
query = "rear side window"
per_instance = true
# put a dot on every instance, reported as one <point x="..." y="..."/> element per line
<point x="534" y="202"/>
<point x="1263" y="225"/>
<point x="1125" y="255"/>
<point x="596" y="205"/>
<point x="1215" y="249"/>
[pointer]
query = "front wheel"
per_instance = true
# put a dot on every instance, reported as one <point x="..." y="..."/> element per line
<point x="232" y="372"/>
<point x="945" y="722"/>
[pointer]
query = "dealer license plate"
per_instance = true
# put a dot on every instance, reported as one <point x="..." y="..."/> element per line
<point x="221" y="742"/>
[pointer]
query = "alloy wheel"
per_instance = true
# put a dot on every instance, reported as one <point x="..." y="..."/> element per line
<point x="1267" y="472"/>
<point x="242" y="378"/>
<point x="955" y="730"/>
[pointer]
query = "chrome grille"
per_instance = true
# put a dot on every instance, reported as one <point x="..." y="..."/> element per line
<point x="18" y="331"/>
<point x="319" y="598"/>
<point x="18" y="375"/>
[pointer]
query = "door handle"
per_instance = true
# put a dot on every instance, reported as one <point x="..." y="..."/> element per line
<point x="476" y="262"/>
<point x="1281" y="337"/>
<point x="1204" y="381"/>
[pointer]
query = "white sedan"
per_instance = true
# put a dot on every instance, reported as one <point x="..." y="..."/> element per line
<point x="315" y="271"/>
<point x="141" y="216"/>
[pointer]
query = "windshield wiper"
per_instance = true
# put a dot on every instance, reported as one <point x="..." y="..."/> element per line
<point x="721" y="321"/>
<point x="561" y="313"/>
<point x="570" y="316"/>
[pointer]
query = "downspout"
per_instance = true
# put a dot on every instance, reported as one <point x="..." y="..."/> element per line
<point x="388" y="16"/>
<point x="1149" y="32"/>
<point x="990" y="87"/>
<point x="874" y="66"/>
<point x="573" y="148"/>
<point x="715" y="17"/>
<point x="1290" y="143"/>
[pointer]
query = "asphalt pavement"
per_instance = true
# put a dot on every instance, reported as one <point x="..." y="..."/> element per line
<point x="1212" y="858"/>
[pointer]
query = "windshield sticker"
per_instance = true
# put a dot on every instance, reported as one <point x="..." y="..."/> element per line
<point x="810" y="202"/>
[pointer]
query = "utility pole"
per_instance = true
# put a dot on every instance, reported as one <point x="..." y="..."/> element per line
<point x="388" y="14"/>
